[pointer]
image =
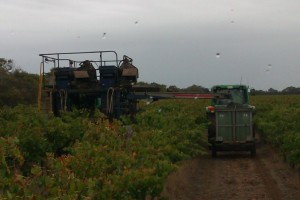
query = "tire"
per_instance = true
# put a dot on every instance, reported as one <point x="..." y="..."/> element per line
<point x="211" y="132"/>
<point x="253" y="151"/>
<point x="213" y="151"/>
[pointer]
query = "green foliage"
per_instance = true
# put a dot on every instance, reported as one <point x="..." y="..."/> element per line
<point x="11" y="160"/>
<point x="37" y="134"/>
<point x="278" y="121"/>
<point x="78" y="157"/>
<point x="17" y="86"/>
<point x="174" y="88"/>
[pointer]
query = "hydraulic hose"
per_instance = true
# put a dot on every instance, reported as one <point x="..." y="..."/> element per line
<point x="110" y="100"/>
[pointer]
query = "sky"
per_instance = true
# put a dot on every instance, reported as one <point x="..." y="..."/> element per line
<point x="172" y="42"/>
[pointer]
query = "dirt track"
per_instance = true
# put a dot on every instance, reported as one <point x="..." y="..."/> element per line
<point x="236" y="177"/>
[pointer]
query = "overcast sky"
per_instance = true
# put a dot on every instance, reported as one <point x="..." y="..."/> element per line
<point x="172" y="42"/>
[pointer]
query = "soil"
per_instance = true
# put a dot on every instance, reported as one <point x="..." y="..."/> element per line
<point x="235" y="176"/>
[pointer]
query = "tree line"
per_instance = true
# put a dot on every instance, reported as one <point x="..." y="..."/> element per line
<point x="271" y="91"/>
<point x="16" y="85"/>
<point x="174" y="88"/>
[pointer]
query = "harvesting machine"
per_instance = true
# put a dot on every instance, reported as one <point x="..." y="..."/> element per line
<point x="95" y="80"/>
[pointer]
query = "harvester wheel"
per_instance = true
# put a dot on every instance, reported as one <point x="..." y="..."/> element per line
<point x="213" y="151"/>
<point x="253" y="151"/>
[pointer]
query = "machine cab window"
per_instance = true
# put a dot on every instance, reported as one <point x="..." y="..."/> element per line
<point x="230" y="95"/>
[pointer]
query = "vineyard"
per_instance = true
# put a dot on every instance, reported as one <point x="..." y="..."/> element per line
<point x="278" y="122"/>
<point x="79" y="156"/>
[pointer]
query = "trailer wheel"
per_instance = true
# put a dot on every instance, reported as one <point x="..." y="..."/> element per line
<point x="213" y="151"/>
<point x="253" y="150"/>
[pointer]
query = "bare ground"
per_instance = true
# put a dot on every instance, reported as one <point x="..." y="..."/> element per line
<point x="235" y="176"/>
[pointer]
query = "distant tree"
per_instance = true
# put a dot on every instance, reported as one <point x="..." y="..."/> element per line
<point x="3" y="61"/>
<point x="291" y="90"/>
<point x="142" y="83"/>
<point x="162" y="87"/>
<point x="173" y="88"/>
<point x="16" y="85"/>
<point x="257" y="92"/>
<point x="195" y="88"/>
<point x="6" y="65"/>
<point x="272" y="91"/>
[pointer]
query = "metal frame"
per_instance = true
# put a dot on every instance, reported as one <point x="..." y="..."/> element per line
<point x="56" y="59"/>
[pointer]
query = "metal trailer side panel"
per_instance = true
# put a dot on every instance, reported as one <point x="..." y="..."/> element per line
<point x="224" y="125"/>
<point x="233" y="125"/>
<point x="243" y="125"/>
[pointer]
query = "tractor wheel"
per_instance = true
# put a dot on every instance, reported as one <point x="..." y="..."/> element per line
<point x="253" y="150"/>
<point x="213" y="151"/>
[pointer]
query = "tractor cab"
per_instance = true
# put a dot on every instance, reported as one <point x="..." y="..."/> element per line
<point x="230" y="94"/>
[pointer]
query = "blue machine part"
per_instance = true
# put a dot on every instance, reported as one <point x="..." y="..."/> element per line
<point x="108" y="76"/>
<point x="103" y="82"/>
<point x="63" y="77"/>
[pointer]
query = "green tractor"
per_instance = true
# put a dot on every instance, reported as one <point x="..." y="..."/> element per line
<point x="230" y="120"/>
